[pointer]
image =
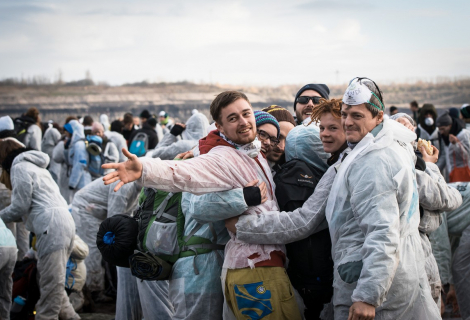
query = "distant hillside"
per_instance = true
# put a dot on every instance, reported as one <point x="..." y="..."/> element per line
<point x="178" y="99"/>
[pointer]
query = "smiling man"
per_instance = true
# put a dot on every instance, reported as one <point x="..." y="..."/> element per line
<point x="307" y="98"/>
<point x="256" y="281"/>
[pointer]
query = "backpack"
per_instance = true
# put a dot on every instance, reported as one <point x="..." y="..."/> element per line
<point x="161" y="241"/>
<point x="95" y="149"/>
<point x="139" y="144"/>
<point x="310" y="261"/>
<point x="22" y="125"/>
<point x="25" y="285"/>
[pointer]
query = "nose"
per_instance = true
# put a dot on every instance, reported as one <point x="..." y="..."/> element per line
<point x="347" y="121"/>
<point x="281" y="145"/>
<point x="242" y="121"/>
<point x="310" y="103"/>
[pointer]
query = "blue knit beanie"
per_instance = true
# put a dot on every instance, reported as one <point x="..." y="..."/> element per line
<point x="262" y="117"/>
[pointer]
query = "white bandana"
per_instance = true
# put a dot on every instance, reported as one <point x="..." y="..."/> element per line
<point x="251" y="149"/>
<point x="358" y="93"/>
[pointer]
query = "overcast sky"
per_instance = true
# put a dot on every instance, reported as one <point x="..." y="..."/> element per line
<point x="235" y="42"/>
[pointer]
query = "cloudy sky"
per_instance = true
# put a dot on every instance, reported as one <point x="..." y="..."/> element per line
<point x="257" y="42"/>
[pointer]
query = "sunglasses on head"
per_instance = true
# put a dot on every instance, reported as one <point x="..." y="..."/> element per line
<point x="305" y="99"/>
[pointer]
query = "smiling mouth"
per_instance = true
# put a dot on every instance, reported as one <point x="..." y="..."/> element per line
<point x="246" y="130"/>
<point x="263" y="150"/>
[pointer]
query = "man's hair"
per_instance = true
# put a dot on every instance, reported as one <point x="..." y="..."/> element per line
<point x="116" y="126"/>
<point x="373" y="99"/>
<point x="128" y="119"/>
<point x="87" y="121"/>
<point x="332" y="106"/>
<point x="223" y="100"/>
<point x="33" y="112"/>
<point x="70" y="118"/>
<point x="414" y="103"/>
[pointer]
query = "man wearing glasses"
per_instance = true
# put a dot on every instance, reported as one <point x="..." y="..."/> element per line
<point x="267" y="129"/>
<point x="307" y="98"/>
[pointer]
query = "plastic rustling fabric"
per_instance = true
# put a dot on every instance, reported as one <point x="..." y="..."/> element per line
<point x="223" y="168"/>
<point x="161" y="238"/>
<point x="170" y="146"/>
<point x="125" y="229"/>
<point x="461" y="271"/>
<point x="138" y="299"/>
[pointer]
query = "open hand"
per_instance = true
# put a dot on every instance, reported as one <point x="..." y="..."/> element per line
<point x="126" y="172"/>
<point x="426" y="157"/>
<point x="185" y="155"/>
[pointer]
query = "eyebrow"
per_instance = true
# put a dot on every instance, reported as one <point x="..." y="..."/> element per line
<point x="234" y="113"/>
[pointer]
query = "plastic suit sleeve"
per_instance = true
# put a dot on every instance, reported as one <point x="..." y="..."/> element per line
<point x="441" y="250"/>
<point x="461" y="149"/>
<point x="120" y="202"/>
<point x="33" y="138"/>
<point x="112" y="154"/>
<point x="376" y="210"/>
<point x="441" y="161"/>
<point x="434" y="193"/>
<point x="210" y="172"/>
<point x="216" y="206"/>
<point x="168" y="139"/>
<point x="286" y="227"/>
<point x="58" y="153"/>
<point x="171" y="151"/>
<point x="79" y="164"/>
<point x="21" y="197"/>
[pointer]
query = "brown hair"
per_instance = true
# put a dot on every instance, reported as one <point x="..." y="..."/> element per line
<point x="332" y="106"/>
<point x="128" y="119"/>
<point x="7" y="146"/>
<point x="70" y="118"/>
<point x="223" y="100"/>
<point x="33" y="112"/>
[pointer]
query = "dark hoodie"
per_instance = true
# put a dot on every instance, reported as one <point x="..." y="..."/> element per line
<point x="426" y="109"/>
<point x="457" y="126"/>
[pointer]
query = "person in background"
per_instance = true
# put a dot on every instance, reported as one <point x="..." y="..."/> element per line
<point x="427" y="129"/>
<point x="286" y="122"/>
<point x="307" y="98"/>
<point x="415" y="110"/>
<point x="148" y="127"/>
<point x="455" y="151"/>
<point x="8" y="253"/>
<point x="33" y="136"/>
<point x="87" y="123"/>
<point x="465" y="114"/>
<point x="393" y="110"/>
<point x="36" y="199"/>
<point x="165" y="122"/>
<point x="51" y="138"/>
<point x="59" y="154"/>
<point x="144" y="116"/>
<point x="105" y="122"/>
<point x="128" y="128"/>
<point x="115" y="136"/>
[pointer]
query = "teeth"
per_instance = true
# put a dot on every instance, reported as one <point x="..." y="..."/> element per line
<point x="244" y="131"/>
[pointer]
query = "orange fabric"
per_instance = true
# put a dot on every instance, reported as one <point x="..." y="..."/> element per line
<point x="460" y="174"/>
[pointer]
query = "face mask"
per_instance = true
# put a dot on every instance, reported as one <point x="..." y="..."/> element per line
<point x="429" y="121"/>
<point x="358" y="93"/>
<point x="251" y="149"/>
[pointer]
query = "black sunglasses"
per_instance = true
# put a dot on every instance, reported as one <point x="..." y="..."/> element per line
<point x="305" y="99"/>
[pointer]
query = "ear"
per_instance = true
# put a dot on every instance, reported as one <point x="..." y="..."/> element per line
<point x="219" y="127"/>
<point x="380" y="117"/>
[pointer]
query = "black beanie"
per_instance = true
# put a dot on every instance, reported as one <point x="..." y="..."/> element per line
<point x="322" y="89"/>
<point x="152" y="122"/>
<point x="145" y="114"/>
<point x="444" y="120"/>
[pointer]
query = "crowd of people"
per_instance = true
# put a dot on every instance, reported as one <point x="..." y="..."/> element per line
<point x="338" y="211"/>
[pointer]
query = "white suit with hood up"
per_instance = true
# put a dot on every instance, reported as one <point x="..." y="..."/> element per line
<point x="170" y="146"/>
<point x="36" y="199"/>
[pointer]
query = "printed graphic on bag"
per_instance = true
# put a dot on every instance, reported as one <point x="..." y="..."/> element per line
<point x="253" y="300"/>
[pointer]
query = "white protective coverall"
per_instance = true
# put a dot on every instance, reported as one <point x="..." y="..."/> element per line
<point x="7" y="265"/>
<point x="453" y="225"/>
<point x="373" y="221"/>
<point x="195" y="295"/>
<point x="17" y="228"/>
<point x="49" y="141"/>
<point x="105" y="122"/>
<point x="77" y="158"/>
<point x="33" y="137"/>
<point x="461" y="271"/>
<point x="90" y="206"/>
<point x="59" y="156"/>
<point x="77" y="278"/>
<point x="36" y="199"/>
<point x="119" y="142"/>
<point x="170" y="146"/>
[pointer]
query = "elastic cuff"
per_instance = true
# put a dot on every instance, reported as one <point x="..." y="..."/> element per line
<point x="252" y="196"/>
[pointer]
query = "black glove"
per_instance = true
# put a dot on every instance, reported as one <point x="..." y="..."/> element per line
<point x="71" y="188"/>
<point x="176" y="130"/>
<point x="252" y="196"/>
